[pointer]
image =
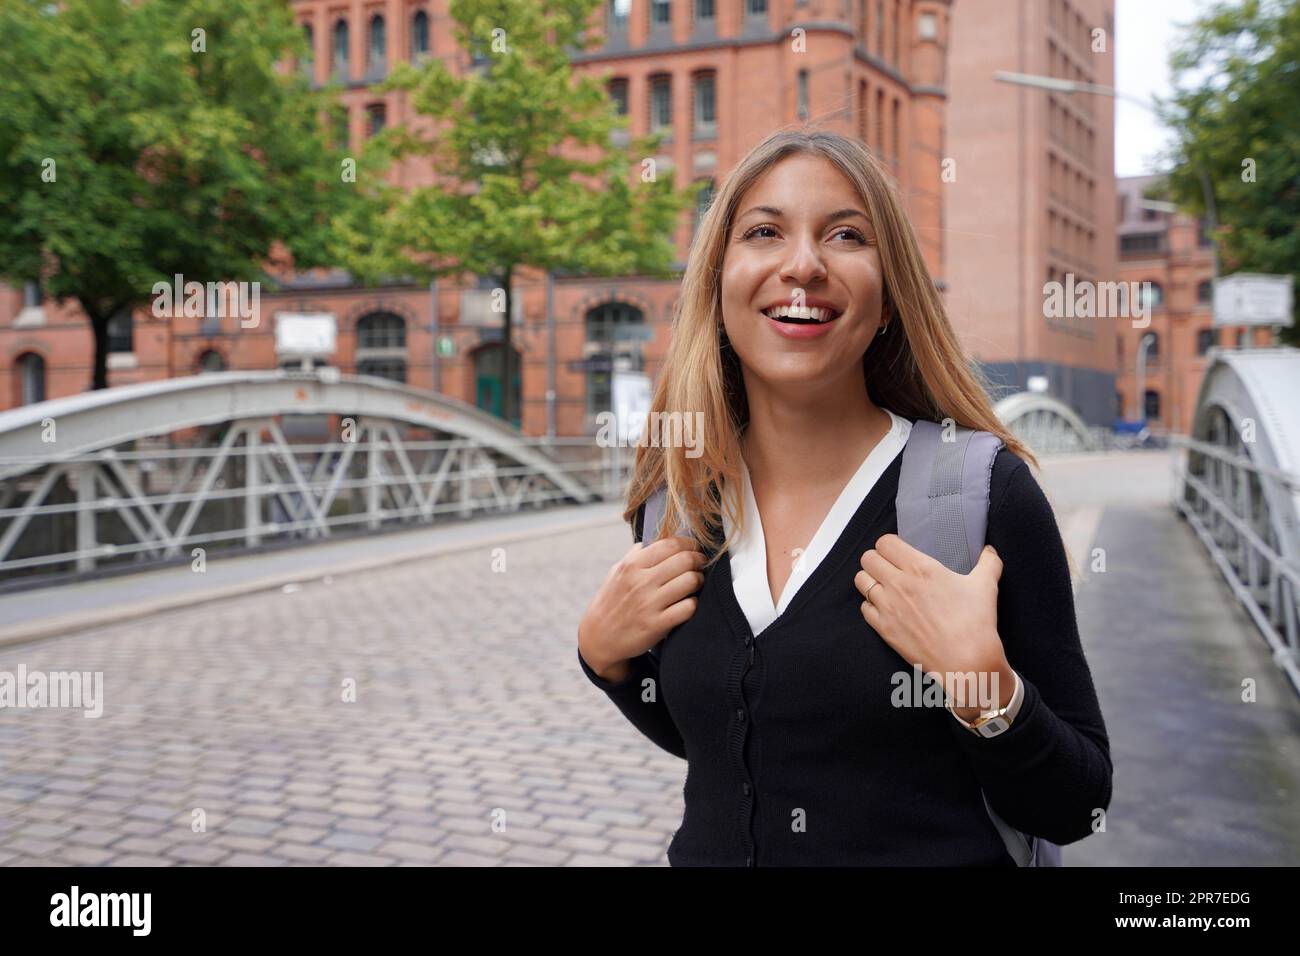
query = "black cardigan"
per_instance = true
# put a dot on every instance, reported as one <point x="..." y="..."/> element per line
<point x="800" y="758"/>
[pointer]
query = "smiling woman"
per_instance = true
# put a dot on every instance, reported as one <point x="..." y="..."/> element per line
<point x="812" y="344"/>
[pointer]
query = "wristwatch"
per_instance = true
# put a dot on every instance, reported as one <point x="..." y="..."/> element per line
<point x="991" y="723"/>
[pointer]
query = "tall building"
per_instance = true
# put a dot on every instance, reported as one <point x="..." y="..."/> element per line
<point x="1031" y="201"/>
<point x="715" y="75"/>
<point x="1171" y="255"/>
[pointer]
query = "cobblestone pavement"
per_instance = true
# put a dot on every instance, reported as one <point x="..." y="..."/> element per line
<point x="474" y="738"/>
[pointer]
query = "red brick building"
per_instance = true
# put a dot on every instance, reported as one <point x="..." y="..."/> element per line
<point x="717" y="75"/>
<point x="1171" y="251"/>
<point x="1032" y="194"/>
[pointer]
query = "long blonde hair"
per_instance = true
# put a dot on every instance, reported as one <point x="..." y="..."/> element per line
<point x="917" y="369"/>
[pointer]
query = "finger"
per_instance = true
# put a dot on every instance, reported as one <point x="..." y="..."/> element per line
<point x="989" y="563"/>
<point x="871" y="614"/>
<point x="901" y="554"/>
<point x="675" y="564"/>
<point x="879" y="568"/>
<point x="679" y="613"/>
<point x="680" y="587"/>
<point x="653" y="552"/>
<point x="863" y="581"/>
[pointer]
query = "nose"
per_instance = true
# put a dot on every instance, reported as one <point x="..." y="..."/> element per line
<point x="803" y="265"/>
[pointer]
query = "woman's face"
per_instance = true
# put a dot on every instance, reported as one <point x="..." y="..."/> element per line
<point x="813" y="244"/>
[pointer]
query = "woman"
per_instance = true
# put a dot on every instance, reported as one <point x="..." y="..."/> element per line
<point x="770" y="662"/>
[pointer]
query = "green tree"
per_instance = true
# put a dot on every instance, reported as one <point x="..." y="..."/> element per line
<point x="1237" y="100"/>
<point x="524" y="171"/>
<point x="158" y="137"/>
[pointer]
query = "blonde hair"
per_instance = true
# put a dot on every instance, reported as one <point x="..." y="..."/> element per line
<point x="916" y="369"/>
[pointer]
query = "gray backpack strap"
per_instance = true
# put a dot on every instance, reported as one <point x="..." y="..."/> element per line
<point x="943" y="507"/>
<point x="943" y="493"/>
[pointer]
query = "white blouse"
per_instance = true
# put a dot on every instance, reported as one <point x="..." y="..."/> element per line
<point x="749" y="551"/>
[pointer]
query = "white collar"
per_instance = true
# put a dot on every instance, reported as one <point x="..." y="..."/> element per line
<point x="749" y="551"/>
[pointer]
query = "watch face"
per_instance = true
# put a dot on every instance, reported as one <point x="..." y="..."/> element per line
<point x="993" y="726"/>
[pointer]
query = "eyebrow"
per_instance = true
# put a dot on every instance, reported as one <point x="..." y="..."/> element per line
<point x="838" y="214"/>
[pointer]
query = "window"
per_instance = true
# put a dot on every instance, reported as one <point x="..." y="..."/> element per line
<point x="307" y="66"/>
<point x="1153" y="295"/>
<point x="1206" y="339"/>
<point x="33" y="295"/>
<point x="1152" y="403"/>
<point x="120" y="331"/>
<point x="661" y="13"/>
<point x="211" y="361"/>
<point x="419" y="35"/>
<point x="378" y="50"/>
<point x="1142" y="242"/>
<point x="1241" y="338"/>
<point x="704" y="10"/>
<point x="618" y="13"/>
<point x="1205" y="291"/>
<point x="614" y="339"/>
<point x="802" y="107"/>
<point x="880" y="122"/>
<point x="340" y="64"/>
<point x="31" y="372"/>
<point x="897" y="119"/>
<point x="376" y="117"/>
<point x="880" y="28"/>
<point x="1203" y="237"/>
<point x="755" y="8"/>
<point x="381" y="346"/>
<point x="705" y="99"/>
<point x="898" y="25"/>
<point x="1153" y="347"/>
<point x="618" y="94"/>
<point x="342" y="131"/>
<point x="661" y="104"/>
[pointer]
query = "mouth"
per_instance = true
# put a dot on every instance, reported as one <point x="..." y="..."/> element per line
<point x="791" y="315"/>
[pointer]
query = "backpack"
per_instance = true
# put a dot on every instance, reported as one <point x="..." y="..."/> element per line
<point x="942" y="505"/>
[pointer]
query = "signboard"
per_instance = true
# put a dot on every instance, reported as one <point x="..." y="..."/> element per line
<point x="305" y="334"/>
<point x="630" y="393"/>
<point x="1253" y="299"/>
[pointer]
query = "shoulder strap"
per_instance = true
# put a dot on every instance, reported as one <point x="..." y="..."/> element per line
<point x="943" y="492"/>
<point x="943" y="505"/>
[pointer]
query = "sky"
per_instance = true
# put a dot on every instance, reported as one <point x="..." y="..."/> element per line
<point x="1145" y="31"/>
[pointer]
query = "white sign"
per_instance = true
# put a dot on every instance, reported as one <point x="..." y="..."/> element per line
<point x="1252" y="299"/>
<point x="630" y="392"/>
<point x="305" y="334"/>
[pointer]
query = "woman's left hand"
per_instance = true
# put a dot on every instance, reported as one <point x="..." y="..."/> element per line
<point x="947" y="623"/>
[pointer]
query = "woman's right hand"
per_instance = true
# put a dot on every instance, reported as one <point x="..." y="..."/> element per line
<point x="646" y="594"/>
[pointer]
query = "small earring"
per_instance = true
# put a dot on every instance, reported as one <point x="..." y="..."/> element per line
<point x="881" y="331"/>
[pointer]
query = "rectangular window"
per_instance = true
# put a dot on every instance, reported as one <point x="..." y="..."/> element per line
<point x="705" y="99"/>
<point x="661" y="104"/>
<point x="618" y="94"/>
<point x="661" y="13"/>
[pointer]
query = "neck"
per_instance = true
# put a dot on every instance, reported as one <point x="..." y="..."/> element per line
<point x="812" y="439"/>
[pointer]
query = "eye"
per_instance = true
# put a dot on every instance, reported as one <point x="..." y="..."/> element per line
<point x="849" y="229"/>
<point x="754" y="230"/>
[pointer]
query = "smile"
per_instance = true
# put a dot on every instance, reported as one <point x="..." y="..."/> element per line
<point x="801" y="316"/>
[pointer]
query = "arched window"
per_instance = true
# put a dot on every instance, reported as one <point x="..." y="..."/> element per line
<point x="615" y="333"/>
<point x="1206" y="339"/>
<point x="31" y="372"/>
<point x="121" y="329"/>
<point x="419" y="35"/>
<point x="378" y="48"/>
<point x="1152" y="295"/>
<point x="1205" y="291"/>
<point x="381" y="346"/>
<point x="211" y="361"/>
<point x="340" y="64"/>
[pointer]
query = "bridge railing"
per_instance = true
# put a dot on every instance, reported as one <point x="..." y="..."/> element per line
<point x="1225" y="498"/>
<point x="150" y="502"/>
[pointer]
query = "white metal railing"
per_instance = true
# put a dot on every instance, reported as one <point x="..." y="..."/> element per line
<point x="1225" y="498"/>
<point x="144" y="505"/>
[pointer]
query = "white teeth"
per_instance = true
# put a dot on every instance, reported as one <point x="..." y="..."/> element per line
<point x="814" y="313"/>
